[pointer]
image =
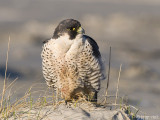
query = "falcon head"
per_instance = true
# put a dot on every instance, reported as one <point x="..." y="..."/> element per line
<point x="69" y="26"/>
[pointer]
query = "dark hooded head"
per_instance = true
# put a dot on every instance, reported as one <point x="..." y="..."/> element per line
<point x="70" y="26"/>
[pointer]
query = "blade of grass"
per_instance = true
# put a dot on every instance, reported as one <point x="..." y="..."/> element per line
<point x="118" y="84"/>
<point x="10" y="84"/>
<point x="108" y="74"/>
<point x="4" y="84"/>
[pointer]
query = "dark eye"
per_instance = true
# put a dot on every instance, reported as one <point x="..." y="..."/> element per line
<point x="72" y="29"/>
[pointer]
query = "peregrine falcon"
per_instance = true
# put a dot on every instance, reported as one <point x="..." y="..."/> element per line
<point x="71" y="62"/>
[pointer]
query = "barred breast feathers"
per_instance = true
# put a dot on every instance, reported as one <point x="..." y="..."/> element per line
<point x="47" y="65"/>
<point x="84" y="53"/>
<point x="58" y="48"/>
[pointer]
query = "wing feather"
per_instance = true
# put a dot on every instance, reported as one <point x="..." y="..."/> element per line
<point x="90" y="65"/>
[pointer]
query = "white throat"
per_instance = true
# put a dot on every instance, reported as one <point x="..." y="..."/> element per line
<point x="64" y="46"/>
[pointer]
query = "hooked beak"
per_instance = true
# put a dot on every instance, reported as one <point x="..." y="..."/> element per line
<point x="80" y="30"/>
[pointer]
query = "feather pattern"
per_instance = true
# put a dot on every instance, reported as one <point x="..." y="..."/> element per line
<point x="72" y="66"/>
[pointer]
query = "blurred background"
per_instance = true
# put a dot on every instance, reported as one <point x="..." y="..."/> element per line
<point x="131" y="28"/>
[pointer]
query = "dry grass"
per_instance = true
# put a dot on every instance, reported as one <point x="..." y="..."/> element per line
<point x="9" y="108"/>
<point x="4" y="85"/>
<point x="118" y="84"/>
<point x="108" y="77"/>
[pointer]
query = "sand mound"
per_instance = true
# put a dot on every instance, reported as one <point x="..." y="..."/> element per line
<point x="83" y="111"/>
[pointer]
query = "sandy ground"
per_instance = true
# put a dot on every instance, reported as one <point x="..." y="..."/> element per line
<point x="83" y="111"/>
<point x="132" y="29"/>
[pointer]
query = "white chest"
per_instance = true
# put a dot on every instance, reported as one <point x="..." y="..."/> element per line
<point x="64" y="47"/>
